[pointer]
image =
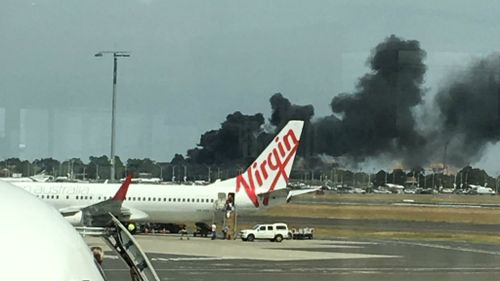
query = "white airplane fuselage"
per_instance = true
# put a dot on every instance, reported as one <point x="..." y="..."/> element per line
<point x="152" y="202"/>
<point x="261" y="185"/>
<point x="46" y="248"/>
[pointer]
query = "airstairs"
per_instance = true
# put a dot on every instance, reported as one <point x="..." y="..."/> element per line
<point x="125" y="245"/>
<point x="225" y="216"/>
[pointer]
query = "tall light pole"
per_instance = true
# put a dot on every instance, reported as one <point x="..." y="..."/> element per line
<point x="116" y="55"/>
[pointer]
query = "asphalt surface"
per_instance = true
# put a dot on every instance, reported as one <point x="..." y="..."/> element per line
<point x="331" y="260"/>
<point x="378" y="225"/>
<point x="337" y="259"/>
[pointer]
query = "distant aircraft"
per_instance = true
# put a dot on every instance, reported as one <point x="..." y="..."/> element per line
<point x="38" y="244"/>
<point x="36" y="178"/>
<point x="263" y="184"/>
<point x="395" y="188"/>
<point x="481" y="190"/>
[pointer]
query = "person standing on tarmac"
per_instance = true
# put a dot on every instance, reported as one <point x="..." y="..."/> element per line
<point x="225" y="231"/>
<point x="214" y="231"/>
<point x="184" y="232"/>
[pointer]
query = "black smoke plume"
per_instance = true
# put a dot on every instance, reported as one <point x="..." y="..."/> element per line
<point x="378" y="117"/>
<point x="236" y="142"/>
<point x="470" y="111"/>
<point x="283" y="111"/>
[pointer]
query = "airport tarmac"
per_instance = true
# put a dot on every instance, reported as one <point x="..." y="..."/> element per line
<point x="338" y="259"/>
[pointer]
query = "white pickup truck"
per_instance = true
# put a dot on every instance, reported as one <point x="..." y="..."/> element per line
<point x="273" y="232"/>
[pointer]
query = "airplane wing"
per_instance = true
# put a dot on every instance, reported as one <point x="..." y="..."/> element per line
<point x="266" y="197"/>
<point x="98" y="214"/>
<point x="297" y="192"/>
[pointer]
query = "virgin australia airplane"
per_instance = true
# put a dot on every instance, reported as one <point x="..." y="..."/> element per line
<point x="262" y="185"/>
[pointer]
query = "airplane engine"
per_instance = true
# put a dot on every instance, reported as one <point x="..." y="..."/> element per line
<point x="76" y="219"/>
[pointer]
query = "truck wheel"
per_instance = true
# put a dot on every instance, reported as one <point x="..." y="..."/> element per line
<point x="278" y="238"/>
<point x="250" y="237"/>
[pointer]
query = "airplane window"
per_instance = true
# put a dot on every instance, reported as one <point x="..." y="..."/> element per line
<point x="212" y="201"/>
<point x="86" y="197"/>
<point x="99" y="198"/>
<point x="149" y="198"/>
<point x="67" y="196"/>
<point x="164" y="199"/>
<point x="183" y="199"/>
<point x="90" y="197"/>
<point x="42" y="196"/>
<point x="154" y="199"/>
<point x="197" y="200"/>
<point x="57" y="197"/>
<point x="188" y="199"/>
<point x="169" y="199"/>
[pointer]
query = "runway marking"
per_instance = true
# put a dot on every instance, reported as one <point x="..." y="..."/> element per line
<point x="446" y="247"/>
<point x="329" y="270"/>
<point x="192" y="259"/>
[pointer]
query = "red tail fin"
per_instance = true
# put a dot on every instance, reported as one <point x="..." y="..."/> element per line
<point x="122" y="191"/>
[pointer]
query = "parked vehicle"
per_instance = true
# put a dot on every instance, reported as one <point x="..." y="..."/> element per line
<point x="202" y="229"/>
<point x="303" y="233"/>
<point x="273" y="232"/>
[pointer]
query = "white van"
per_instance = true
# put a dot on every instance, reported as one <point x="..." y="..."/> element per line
<point x="273" y="232"/>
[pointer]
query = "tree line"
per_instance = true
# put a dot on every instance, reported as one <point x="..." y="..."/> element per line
<point x="182" y="169"/>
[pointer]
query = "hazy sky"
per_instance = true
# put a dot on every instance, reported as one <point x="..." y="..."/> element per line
<point x="194" y="62"/>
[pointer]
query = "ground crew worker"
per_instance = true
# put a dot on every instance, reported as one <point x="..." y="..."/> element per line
<point x="225" y="231"/>
<point x="214" y="231"/>
<point x="131" y="228"/>
<point x="184" y="232"/>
